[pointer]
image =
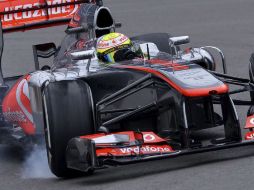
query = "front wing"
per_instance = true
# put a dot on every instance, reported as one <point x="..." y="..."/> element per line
<point x="101" y="150"/>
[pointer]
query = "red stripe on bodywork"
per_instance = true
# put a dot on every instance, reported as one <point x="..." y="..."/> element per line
<point x="172" y="64"/>
<point x="186" y="92"/>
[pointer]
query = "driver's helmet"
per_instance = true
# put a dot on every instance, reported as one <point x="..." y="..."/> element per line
<point x="115" y="47"/>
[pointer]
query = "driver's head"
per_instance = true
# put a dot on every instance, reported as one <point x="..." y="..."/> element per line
<point x="115" y="47"/>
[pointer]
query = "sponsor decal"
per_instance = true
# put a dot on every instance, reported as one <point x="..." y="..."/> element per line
<point x="249" y="122"/>
<point x="149" y="137"/>
<point x="168" y="64"/>
<point x="80" y="44"/>
<point x="112" y="40"/>
<point x="146" y="149"/>
<point x="75" y="19"/>
<point x="68" y="9"/>
<point x="14" y="116"/>
<point x="151" y="145"/>
<point x="249" y="135"/>
<point x="135" y="150"/>
<point x="252" y="121"/>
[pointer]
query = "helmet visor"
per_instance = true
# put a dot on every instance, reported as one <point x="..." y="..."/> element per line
<point x="117" y="53"/>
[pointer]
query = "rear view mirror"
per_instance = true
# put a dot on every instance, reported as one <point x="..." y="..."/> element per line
<point x="76" y="30"/>
<point x="81" y="55"/>
<point x="180" y="40"/>
<point x="118" y="25"/>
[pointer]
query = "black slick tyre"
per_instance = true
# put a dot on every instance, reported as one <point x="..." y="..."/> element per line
<point x="68" y="111"/>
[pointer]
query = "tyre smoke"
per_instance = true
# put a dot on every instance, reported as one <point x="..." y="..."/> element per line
<point x="36" y="164"/>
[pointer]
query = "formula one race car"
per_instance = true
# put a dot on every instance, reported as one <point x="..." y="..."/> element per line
<point x="166" y="103"/>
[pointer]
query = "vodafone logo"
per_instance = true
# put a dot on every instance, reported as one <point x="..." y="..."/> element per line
<point x="147" y="149"/>
<point x="149" y="137"/>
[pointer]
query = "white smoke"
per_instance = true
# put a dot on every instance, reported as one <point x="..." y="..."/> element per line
<point x="36" y="164"/>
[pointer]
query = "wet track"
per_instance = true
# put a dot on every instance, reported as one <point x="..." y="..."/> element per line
<point x="227" y="24"/>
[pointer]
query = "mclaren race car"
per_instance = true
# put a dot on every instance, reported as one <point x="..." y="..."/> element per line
<point x="168" y="102"/>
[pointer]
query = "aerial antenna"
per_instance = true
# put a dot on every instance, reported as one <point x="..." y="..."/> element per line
<point x="172" y="46"/>
<point x="148" y="52"/>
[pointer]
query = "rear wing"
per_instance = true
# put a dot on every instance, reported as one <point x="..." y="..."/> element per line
<point x="19" y="15"/>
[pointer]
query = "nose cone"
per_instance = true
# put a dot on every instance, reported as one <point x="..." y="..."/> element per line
<point x="197" y="82"/>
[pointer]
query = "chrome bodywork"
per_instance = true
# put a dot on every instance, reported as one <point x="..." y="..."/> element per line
<point x="82" y="68"/>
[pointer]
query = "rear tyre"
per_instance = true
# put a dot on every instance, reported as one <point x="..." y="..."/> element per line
<point x="68" y="110"/>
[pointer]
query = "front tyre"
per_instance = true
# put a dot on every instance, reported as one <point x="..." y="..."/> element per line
<point x="68" y="111"/>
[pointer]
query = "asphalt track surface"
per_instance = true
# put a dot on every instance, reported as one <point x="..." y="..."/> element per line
<point x="227" y="24"/>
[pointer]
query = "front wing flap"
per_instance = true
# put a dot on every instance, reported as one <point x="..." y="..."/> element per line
<point x="90" y="152"/>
